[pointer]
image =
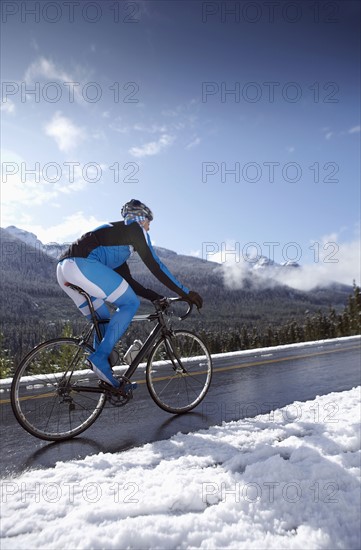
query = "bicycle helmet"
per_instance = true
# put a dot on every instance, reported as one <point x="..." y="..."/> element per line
<point x="136" y="208"/>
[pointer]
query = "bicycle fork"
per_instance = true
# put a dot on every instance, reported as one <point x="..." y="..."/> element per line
<point x="176" y="361"/>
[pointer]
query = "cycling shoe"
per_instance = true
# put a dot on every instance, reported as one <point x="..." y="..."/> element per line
<point x="103" y="371"/>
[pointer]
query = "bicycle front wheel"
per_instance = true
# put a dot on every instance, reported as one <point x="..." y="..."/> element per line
<point x="46" y="392"/>
<point x="179" y="372"/>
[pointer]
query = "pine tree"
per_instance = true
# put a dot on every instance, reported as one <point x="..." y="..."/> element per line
<point x="6" y="361"/>
<point x="255" y="340"/>
<point x="270" y="340"/>
<point x="67" y="331"/>
<point x="244" y="338"/>
<point x="353" y="309"/>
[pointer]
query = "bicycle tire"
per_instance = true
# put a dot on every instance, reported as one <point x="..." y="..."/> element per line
<point x="179" y="372"/>
<point x="44" y="395"/>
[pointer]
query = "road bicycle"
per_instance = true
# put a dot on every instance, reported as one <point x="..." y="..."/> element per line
<point x="55" y="395"/>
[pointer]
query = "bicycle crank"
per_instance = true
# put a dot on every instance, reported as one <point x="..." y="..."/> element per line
<point x="119" y="397"/>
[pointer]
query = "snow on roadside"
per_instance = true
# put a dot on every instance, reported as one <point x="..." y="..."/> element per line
<point x="286" y="479"/>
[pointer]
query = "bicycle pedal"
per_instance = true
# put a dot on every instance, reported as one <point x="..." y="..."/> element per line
<point x="104" y="386"/>
<point x="127" y="389"/>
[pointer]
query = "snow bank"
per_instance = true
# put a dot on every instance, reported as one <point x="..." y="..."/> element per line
<point x="286" y="479"/>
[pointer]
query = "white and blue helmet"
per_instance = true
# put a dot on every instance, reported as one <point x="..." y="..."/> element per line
<point x="135" y="208"/>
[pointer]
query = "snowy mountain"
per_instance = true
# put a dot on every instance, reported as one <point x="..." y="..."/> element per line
<point x="25" y="236"/>
<point x="264" y="263"/>
<point x="31" y="301"/>
<point x="55" y="250"/>
<point x="52" y="249"/>
<point x="290" y="263"/>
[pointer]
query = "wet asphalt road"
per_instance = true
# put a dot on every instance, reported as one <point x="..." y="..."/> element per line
<point x="243" y="385"/>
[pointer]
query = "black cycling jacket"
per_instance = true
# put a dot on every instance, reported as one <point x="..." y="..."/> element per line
<point x="112" y="244"/>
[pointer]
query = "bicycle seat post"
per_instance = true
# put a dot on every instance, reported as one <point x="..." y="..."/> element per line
<point x="93" y="315"/>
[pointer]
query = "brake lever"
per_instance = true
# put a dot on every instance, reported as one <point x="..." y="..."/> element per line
<point x="161" y="304"/>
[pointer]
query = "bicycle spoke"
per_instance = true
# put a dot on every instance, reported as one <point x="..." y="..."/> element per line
<point x="179" y="372"/>
<point x="46" y="391"/>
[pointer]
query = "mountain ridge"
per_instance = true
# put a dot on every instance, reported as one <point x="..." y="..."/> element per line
<point x="33" y="307"/>
<point x="55" y="250"/>
<point x="28" y="244"/>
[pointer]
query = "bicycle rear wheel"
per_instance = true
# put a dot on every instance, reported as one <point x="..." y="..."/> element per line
<point x="46" y="395"/>
<point x="179" y="372"/>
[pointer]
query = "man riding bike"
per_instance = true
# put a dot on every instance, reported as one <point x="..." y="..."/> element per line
<point x="96" y="262"/>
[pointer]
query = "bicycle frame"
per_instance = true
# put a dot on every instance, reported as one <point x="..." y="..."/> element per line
<point x="178" y="374"/>
<point x="143" y="352"/>
<point x="148" y="344"/>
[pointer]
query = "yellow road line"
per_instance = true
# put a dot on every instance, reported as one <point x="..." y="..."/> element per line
<point x="263" y="362"/>
<point x="281" y="359"/>
<point x="222" y="369"/>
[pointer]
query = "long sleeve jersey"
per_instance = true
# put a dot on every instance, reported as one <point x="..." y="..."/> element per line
<point x="112" y="245"/>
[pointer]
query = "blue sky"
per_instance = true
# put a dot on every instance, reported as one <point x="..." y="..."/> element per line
<point x="236" y="122"/>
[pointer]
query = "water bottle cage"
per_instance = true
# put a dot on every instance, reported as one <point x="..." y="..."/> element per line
<point x="133" y="351"/>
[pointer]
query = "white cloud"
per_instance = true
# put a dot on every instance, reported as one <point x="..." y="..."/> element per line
<point x="339" y="262"/>
<point x="19" y="197"/>
<point x="196" y="141"/>
<point x="18" y="188"/>
<point x="71" y="228"/>
<point x="334" y="261"/>
<point x="120" y="126"/>
<point x="34" y="44"/>
<point x="22" y="190"/>
<point x="182" y="109"/>
<point x="45" y="68"/>
<point x="179" y="123"/>
<point x="153" y="147"/>
<point x="331" y="134"/>
<point x="8" y="106"/>
<point x="78" y="177"/>
<point x="71" y="84"/>
<point x="151" y="128"/>
<point x="66" y="134"/>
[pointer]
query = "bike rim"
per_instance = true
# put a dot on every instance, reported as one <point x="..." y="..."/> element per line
<point x="45" y="392"/>
<point x="179" y="372"/>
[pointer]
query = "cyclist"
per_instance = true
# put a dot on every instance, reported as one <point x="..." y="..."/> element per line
<point x="96" y="262"/>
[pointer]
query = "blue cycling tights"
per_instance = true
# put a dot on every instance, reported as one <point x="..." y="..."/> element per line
<point x="103" y="284"/>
